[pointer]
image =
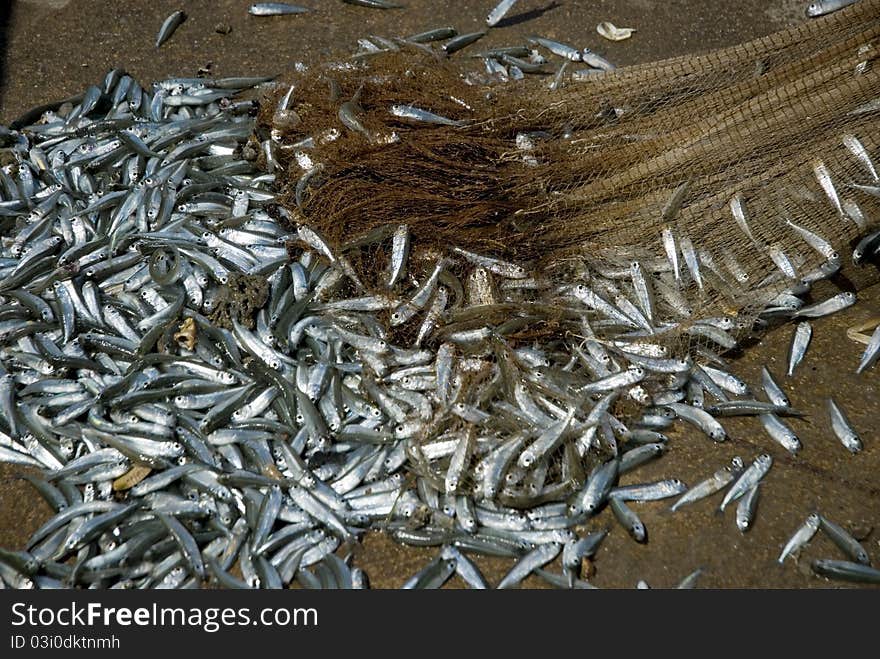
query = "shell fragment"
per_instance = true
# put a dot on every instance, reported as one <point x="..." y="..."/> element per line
<point x="612" y="33"/>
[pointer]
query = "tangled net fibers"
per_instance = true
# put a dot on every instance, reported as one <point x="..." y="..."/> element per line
<point x="606" y="154"/>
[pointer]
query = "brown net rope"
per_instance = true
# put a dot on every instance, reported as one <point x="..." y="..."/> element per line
<point x="576" y="179"/>
<point x="609" y="151"/>
<point x="740" y="162"/>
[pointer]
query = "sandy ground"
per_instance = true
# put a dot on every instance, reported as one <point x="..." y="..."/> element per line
<point x="55" y="48"/>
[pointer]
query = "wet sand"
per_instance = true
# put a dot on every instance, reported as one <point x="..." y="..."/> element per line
<point x="55" y="48"/>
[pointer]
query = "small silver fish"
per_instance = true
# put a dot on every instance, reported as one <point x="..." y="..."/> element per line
<point x="671" y="251"/>
<point x="715" y="483"/>
<point x="169" y="26"/>
<point x="861" y="153"/>
<point x="738" y="209"/>
<point x="499" y="12"/>
<point x="780" y="432"/>
<point x="848" y="544"/>
<point x="748" y="479"/>
<point x="690" y="258"/>
<point x="826" y="307"/>
<point x="822" y="7"/>
<point x="629" y="520"/>
<point x="399" y="253"/>
<point x="872" y="351"/>
<point x="801" y="537"/>
<point x="824" y="178"/>
<point x="745" y="509"/>
<point x="560" y="49"/>
<point x="843" y="428"/>
<point x="276" y="9"/>
<point x="774" y="392"/>
<point x="815" y="241"/>
<point x="676" y="199"/>
<point x="800" y="341"/>
<point x="417" y="114"/>
<point x="782" y="261"/>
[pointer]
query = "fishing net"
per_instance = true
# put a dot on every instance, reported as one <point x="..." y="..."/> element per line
<point x="586" y="176"/>
<point x="428" y="404"/>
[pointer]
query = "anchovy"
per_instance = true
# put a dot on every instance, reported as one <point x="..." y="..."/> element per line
<point x="847" y="544"/>
<point x="628" y="520"/>
<point x="169" y="26"/>
<point x="562" y="50"/>
<point x="374" y="4"/>
<point x="649" y="491"/>
<point x="748" y="479"/>
<point x="872" y="352"/>
<point x="738" y="209"/>
<point x="774" y="392"/>
<point x="275" y="9"/>
<point x="671" y="251"/>
<point x="826" y="307"/>
<point x="715" y="483"/>
<point x="800" y="341"/>
<point x="745" y="509"/>
<point x="822" y="7"/>
<point x="846" y="571"/>
<point x="780" y="432"/>
<point x="499" y="12"/>
<point x="417" y="114"/>
<point x="843" y="428"/>
<point x="460" y="41"/>
<point x="535" y="559"/>
<point x="801" y="537"/>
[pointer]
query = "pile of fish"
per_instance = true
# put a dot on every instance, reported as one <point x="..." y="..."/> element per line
<point x="204" y="393"/>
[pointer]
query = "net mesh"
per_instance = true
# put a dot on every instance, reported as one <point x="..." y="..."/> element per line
<point x="581" y="180"/>
<point x="599" y="158"/>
